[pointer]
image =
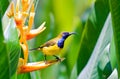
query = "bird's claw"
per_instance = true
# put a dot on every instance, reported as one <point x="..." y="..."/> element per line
<point x="58" y="59"/>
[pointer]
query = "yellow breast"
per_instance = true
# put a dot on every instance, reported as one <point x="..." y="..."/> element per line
<point x="51" y="50"/>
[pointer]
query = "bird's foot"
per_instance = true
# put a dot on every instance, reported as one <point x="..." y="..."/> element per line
<point x="58" y="59"/>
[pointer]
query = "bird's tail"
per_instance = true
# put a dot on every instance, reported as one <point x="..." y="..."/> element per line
<point x="37" y="48"/>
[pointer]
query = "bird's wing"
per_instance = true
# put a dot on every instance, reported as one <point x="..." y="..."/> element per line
<point x="49" y="43"/>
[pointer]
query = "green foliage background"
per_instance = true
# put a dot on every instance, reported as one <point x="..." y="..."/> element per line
<point x="92" y="54"/>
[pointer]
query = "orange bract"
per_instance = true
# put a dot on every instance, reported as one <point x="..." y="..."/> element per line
<point x="35" y="65"/>
<point x="20" y="16"/>
<point x="26" y="33"/>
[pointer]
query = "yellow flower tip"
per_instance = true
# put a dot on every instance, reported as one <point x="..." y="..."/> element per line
<point x="37" y="66"/>
<point x="18" y="19"/>
<point x="32" y="8"/>
<point x="17" y="6"/>
<point x="41" y="28"/>
<point x="11" y="11"/>
<point x="25" y="14"/>
<point x="35" y="32"/>
<point x="25" y="8"/>
<point x="25" y="5"/>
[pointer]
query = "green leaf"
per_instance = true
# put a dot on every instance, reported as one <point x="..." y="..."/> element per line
<point x="91" y="69"/>
<point x="4" y="59"/>
<point x="104" y="65"/>
<point x="3" y="6"/>
<point x="74" y="73"/>
<point x="24" y="76"/>
<point x="91" y="31"/>
<point x="114" y="75"/>
<point x="13" y="46"/>
<point x="115" y="13"/>
<point x="113" y="57"/>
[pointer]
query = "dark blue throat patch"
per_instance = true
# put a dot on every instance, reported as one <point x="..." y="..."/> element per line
<point x="61" y="43"/>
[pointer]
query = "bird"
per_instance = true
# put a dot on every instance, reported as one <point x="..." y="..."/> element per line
<point x="53" y="46"/>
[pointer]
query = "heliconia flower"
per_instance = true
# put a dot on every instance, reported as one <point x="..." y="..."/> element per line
<point x="25" y="33"/>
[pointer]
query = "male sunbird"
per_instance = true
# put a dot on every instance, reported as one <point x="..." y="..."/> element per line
<point x="53" y="46"/>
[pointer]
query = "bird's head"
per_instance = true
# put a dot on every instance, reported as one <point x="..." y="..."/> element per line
<point x="63" y="37"/>
<point x="67" y="34"/>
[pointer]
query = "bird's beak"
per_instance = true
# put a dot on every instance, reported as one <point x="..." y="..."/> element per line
<point x="71" y="33"/>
